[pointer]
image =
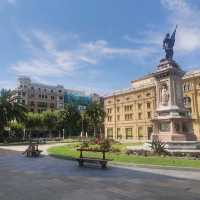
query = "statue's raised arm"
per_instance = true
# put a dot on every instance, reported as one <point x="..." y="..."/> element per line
<point x="173" y="37"/>
<point x="168" y="44"/>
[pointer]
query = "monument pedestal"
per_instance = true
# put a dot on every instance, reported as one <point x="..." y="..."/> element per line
<point x="171" y="122"/>
<point x="178" y="146"/>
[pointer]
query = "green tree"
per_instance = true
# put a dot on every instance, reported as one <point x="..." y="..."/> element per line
<point x="33" y="121"/>
<point x="16" y="130"/>
<point x="71" y="119"/>
<point x="9" y="110"/>
<point x="50" y="121"/>
<point x="95" y="114"/>
<point x="4" y="93"/>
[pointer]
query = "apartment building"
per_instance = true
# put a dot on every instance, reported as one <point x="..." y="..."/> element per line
<point x="39" y="97"/>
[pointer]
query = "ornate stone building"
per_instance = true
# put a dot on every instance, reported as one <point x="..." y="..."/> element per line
<point x="39" y="97"/>
<point x="130" y="112"/>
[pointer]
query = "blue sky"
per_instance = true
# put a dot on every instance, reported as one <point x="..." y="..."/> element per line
<point x="93" y="45"/>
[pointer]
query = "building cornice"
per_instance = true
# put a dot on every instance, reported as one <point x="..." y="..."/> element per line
<point x="188" y="75"/>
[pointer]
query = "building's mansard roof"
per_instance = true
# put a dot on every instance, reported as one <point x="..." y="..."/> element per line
<point x="148" y="81"/>
<point x="23" y="79"/>
<point x="193" y="73"/>
<point x="30" y="83"/>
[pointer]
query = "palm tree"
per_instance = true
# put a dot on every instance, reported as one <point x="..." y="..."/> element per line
<point x="95" y="114"/>
<point x="9" y="110"/>
<point x="6" y="114"/>
<point x="19" y="112"/>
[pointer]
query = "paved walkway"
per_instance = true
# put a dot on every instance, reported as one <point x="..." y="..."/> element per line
<point x="22" y="148"/>
<point x="48" y="178"/>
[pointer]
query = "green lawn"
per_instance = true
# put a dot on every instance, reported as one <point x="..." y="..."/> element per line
<point x="28" y="142"/>
<point x="69" y="152"/>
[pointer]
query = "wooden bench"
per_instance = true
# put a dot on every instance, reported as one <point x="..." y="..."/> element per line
<point x="103" y="162"/>
<point x="32" y="151"/>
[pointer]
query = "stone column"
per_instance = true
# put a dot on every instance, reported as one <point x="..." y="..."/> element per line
<point x="172" y="127"/>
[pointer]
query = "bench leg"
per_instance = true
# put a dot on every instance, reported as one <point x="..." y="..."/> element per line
<point x="103" y="165"/>
<point x="36" y="154"/>
<point x="33" y="154"/>
<point x="80" y="163"/>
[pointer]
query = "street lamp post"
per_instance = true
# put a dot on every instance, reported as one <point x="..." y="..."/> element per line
<point x="82" y="118"/>
<point x="82" y="112"/>
<point x="24" y="136"/>
<point x="63" y="133"/>
<point x="82" y="128"/>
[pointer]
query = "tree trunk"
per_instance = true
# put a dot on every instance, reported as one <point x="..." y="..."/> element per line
<point x="30" y="135"/>
<point x="2" y="132"/>
<point x="50" y="133"/>
<point x="94" y="131"/>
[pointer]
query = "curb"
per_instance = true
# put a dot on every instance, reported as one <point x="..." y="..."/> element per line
<point x="124" y="165"/>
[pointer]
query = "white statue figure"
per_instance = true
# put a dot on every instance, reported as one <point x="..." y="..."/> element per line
<point x="164" y="95"/>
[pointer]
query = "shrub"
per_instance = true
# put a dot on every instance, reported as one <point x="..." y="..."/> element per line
<point x="77" y="145"/>
<point x="186" y="154"/>
<point x="105" y="145"/>
<point x="112" y="141"/>
<point x="115" y="150"/>
<point x="139" y="152"/>
<point x="92" y="141"/>
<point x="84" y="144"/>
<point x="158" y="147"/>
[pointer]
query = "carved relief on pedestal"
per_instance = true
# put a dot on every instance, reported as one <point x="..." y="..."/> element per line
<point x="164" y="95"/>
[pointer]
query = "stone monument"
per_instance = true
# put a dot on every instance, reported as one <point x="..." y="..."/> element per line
<point x="171" y="122"/>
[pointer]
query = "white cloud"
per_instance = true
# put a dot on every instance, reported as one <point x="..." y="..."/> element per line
<point x="7" y="84"/>
<point x="48" y="59"/>
<point x="187" y="17"/>
<point x="101" y="49"/>
<point x="11" y="1"/>
<point x="149" y="37"/>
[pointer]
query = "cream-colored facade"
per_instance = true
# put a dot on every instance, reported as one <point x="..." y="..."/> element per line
<point x="129" y="112"/>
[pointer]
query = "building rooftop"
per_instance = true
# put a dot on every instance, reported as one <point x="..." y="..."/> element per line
<point x="147" y="81"/>
<point x="192" y="73"/>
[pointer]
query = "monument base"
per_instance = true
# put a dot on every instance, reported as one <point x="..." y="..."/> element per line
<point x="170" y="137"/>
<point x="186" y="146"/>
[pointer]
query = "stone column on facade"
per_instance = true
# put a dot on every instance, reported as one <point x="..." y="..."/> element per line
<point x="172" y="127"/>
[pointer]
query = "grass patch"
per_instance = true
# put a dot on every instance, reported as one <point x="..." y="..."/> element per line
<point x="28" y="142"/>
<point x="69" y="152"/>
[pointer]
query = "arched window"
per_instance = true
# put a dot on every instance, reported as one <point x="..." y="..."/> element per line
<point x="184" y="87"/>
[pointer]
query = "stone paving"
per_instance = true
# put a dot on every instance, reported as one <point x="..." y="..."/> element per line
<point x="42" y="147"/>
<point x="48" y="178"/>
